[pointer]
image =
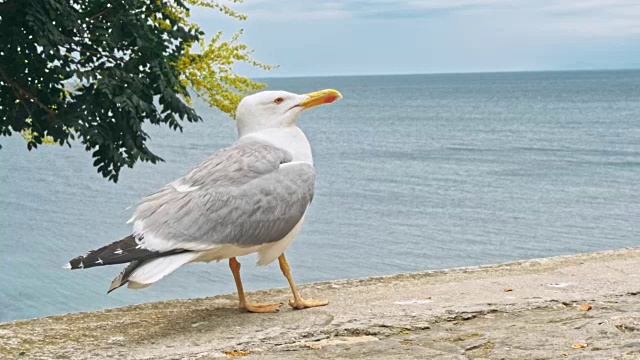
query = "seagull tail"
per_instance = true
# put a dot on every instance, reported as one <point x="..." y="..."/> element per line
<point x="140" y="274"/>
<point x="118" y="252"/>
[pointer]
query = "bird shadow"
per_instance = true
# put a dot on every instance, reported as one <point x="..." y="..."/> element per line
<point x="214" y="319"/>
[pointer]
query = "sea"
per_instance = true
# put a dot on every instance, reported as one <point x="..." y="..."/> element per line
<point x="414" y="172"/>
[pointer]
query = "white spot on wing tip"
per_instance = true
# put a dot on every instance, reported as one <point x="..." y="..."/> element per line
<point x="67" y="266"/>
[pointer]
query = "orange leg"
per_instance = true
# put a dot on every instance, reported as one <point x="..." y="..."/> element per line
<point x="298" y="302"/>
<point x="250" y="307"/>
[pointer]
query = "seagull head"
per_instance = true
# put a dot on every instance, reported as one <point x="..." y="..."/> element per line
<point x="277" y="109"/>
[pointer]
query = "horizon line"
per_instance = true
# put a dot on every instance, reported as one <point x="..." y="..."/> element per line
<point x="448" y="73"/>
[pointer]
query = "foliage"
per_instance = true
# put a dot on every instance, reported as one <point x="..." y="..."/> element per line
<point x="97" y="70"/>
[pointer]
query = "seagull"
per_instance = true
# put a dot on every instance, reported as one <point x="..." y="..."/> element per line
<point x="248" y="198"/>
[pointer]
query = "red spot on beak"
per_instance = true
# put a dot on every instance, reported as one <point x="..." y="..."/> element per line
<point x="329" y="99"/>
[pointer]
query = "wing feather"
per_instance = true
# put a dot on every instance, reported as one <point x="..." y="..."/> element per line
<point x="245" y="195"/>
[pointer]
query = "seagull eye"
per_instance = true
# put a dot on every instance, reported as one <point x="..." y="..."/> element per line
<point x="278" y="101"/>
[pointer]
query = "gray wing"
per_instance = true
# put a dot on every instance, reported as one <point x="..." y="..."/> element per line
<point x="246" y="195"/>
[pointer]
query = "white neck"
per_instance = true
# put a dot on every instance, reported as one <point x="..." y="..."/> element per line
<point x="290" y="138"/>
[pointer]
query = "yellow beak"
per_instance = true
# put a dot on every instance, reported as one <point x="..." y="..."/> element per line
<point x="320" y="97"/>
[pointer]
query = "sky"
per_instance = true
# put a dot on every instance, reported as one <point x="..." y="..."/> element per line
<point x="342" y="37"/>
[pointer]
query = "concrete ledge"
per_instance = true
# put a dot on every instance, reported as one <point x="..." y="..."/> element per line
<point x="521" y="310"/>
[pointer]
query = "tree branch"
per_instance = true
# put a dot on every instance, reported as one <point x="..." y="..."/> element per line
<point x="23" y="94"/>
<point x="7" y="5"/>
<point x="100" y="13"/>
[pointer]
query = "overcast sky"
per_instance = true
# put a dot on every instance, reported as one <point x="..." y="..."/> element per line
<point x="315" y="38"/>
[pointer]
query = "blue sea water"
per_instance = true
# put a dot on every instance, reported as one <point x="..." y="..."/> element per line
<point x="414" y="172"/>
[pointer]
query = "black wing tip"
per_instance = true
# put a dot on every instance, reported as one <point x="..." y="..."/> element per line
<point x="75" y="263"/>
<point x="123" y="277"/>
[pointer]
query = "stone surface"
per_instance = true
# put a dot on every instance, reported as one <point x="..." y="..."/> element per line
<point x="451" y="314"/>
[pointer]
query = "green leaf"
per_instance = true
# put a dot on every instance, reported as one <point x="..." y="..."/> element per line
<point x="94" y="90"/>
